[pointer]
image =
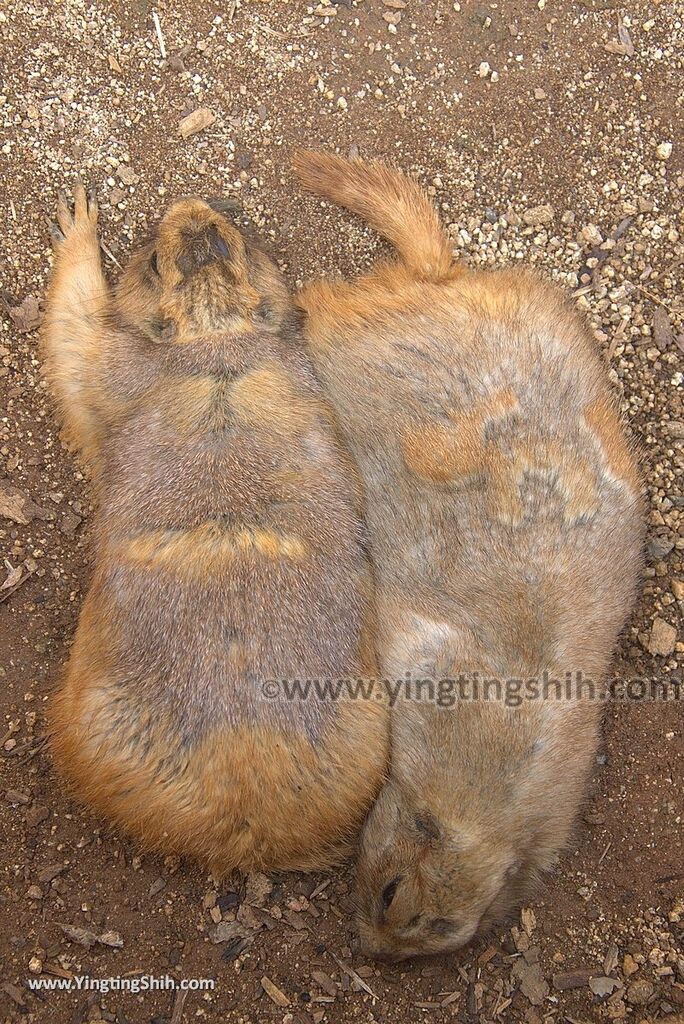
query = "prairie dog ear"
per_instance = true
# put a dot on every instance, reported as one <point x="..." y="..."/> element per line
<point x="427" y="827"/>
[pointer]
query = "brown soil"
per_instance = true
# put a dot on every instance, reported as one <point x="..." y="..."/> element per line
<point x="574" y="113"/>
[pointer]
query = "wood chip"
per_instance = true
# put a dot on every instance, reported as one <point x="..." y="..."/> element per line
<point x="486" y="955"/>
<point x="568" y="980"/>
<point x="58" y="972"/>
<point x="295" y="920"/>
<point x="15" y="994"/>
<point x="324" y="982"/>
<point x="273" y="992"/>
<point x="196" y="122"/>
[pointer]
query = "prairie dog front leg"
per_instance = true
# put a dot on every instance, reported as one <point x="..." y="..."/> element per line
<point x="78" y="324"/>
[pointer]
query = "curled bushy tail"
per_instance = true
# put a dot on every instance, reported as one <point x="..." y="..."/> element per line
<point x="392" y="203"/>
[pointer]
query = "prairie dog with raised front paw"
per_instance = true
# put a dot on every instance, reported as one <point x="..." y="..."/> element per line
<point x="505" y="515"/>
<point x="229" y="552"/>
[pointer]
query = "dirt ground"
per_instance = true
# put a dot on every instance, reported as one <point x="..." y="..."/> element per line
<point x="549" y="132"/>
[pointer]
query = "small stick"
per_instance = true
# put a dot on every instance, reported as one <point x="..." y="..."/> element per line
<point x="231" y="12"/>
<point x="160" y="37"/>
<point x="668" y="268"/>
<point x="178" y="1005"/>
<point x="271" y="31"/>
<point x="351" y="973"/>
<point x="110" y="254"/>
<point x="650" y="295"/>
<point x="7" y="591"/>
<point x="601" y="858"/>
<point x="319" y="888"/>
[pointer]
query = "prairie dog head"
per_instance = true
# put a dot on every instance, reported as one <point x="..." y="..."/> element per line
<point x="427" y="886"/>
<point x="198" y="274"/>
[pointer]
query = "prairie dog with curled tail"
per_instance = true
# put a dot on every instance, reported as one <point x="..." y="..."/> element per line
<point x="229" y="553"/>
<point x="505" y="516"/>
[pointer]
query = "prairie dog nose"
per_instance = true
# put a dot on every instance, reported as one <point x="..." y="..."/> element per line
<point x="200" y="248"/>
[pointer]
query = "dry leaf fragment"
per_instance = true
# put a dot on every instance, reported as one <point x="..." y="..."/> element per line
<point x="16" y="506"/>
<point x="229" y="931"/>
<point x="27" y="316"/>
<point x="612" y="956"/>
<point x="196" y="122"/>
<point x="12" y="507"/>
<point x="13" y="578"/>
<point x="82" y="936"/>
<point x="533" y="984"/>
<point x="254" y="917"/>
<point x="257" y="888"/>
<point x="603" y="987"/>
<point x="663" y="333"/>
<point x="623" y="45"/>
<point x="528" y="919"/>
<point x="86" y="938"/>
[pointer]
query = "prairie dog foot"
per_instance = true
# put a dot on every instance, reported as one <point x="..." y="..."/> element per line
<point x="77" y="226"/>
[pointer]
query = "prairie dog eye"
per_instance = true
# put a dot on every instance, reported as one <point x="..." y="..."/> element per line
<point x="153" y="263"/>
<point x="389" y="891"/>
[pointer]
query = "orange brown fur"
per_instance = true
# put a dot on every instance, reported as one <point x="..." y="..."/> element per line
<point x="229" y="552"/>
<point x="505" y="514"/>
